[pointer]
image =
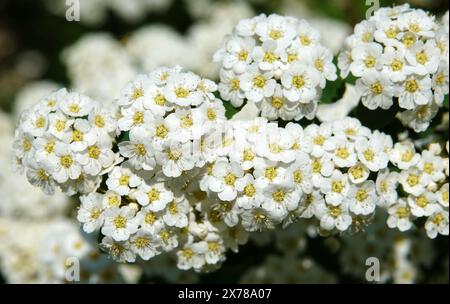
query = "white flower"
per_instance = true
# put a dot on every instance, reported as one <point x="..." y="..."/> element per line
<point x="319" y="138"/>
<point x="134" y="116"/>
<point x="299" y="173"/>
<point x="176" y="211"/>
<point x="442" y="195"/>
<point x="386" y="185"/>
<point x="366" y="58"/>
<point x="250" y="195"/>
<point x="230" y="88"/>
<point x="416" y="91"/>
<point x="362" y="198"/>
<point x="97" y="157"/>
<point x="175" y="157"/>
<point x="371" y="153"/>
<point x="192" y="256"/>
<point x="76" y="105"/>
<point x="119" y="223"/>
<point x="376" y="90"/>
<point x="279" y="199"/>
<point x="134" y="91"/>
<point x="64" y="164"/>
<point x="181" y="89"/>
<point x="399" y="216"/>
<point x="149" y="221"/>
<point x="358" y="173"/>
<point x="120" y="251"/>
<point x="437" y="223"/>
<point x="335" y="188"/>
<point x="82" y="135"/>
<point x="155" y="195"/>
<point x="223" y="179"/>
<point x="257" y="219"/>
<point x="186" y="124"/>
<point x="394" y="65"/>
<point x="432" y="166"/>
<point x="121" y="179"/>
<point x="333" y="216"/>
<point x="413" y="181"/>
<point x="144" y="245"/>
<point x="90" y="212"/>
<point x="35" y="123"/>
<point x="423" y="57"/>
<point x="404" y="155"/>
<point x="423" y="205"/>
<point x="276" y="145"/>
<point x="256" y="84"/>
<point x="300" y="83"/>
<point x="138" y="150"/>
<point x="344" y="154"/>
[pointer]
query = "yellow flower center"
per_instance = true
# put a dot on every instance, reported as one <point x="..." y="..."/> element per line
<point x="141" y="242"/>
<point x="334" y="211"/>
<point x="362" y="195"/>
<point x="396" y="65"/>
<point x="366" y="37"/>
<point x="140" y="150"/>
<point x="159" y="100"/>
<point x="40" y="122"/>
<point x="248" y="155"/>
<point x="279" y="195"/>
<point x="412" y="180"/>
<point x="230" y="179"/>
<point x="153" y="195"/>
<point x="137" y="93"/>
<point x="305" y="40"/>
<point x="235" y="84"/>
<point x="66" y="161"/>
<point x="74" y="108"/>
<point x="138" y="118"/>
<point x="370" y="61"/>
<point x="186" y="121"/>
<point x="298" y="81"/>
<point x="211" y="114"/>
<point x="277" y="102"/>
<point x="275" y="34"/>
<point x="342" y="153"/>
<point x="369" y="154"/>
<point x="249" y="190"/>
<point x="99" y="121"/>
<point x="181" y="92"/>
<point x="120" y="222"/>
<point x="319" y="140"/>
<point x="93" y="152"/>
<point x="337" y="186"/>
<point x="422" y="57"/>
<point x="150" y="218"/>
<point x="242" y="55"/>
<point x="402" y="212"/>
<point x="269" y="57"/>
<point x="259" y="81"/>
<point x="298" y="176"/>
<point x="77" y="135"/>
<point x="377" y="88"/>
<point x="270" y="173"/>
<point x="123" y="180"/>
<point x="161" y="131"/>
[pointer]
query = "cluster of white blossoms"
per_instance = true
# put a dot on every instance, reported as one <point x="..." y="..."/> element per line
<point x="65" y="141"/>
<point x="400" y="55"/>
<point x="145" y="209"/>
<point x="276" y="63"/>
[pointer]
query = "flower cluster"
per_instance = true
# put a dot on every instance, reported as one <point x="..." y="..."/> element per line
<point x="165" y="120"/>
<point x="65" y="141"/>
<point x="399" y="55"/>
<point x="424" y="182"/>
<point x="277" y="63"/>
